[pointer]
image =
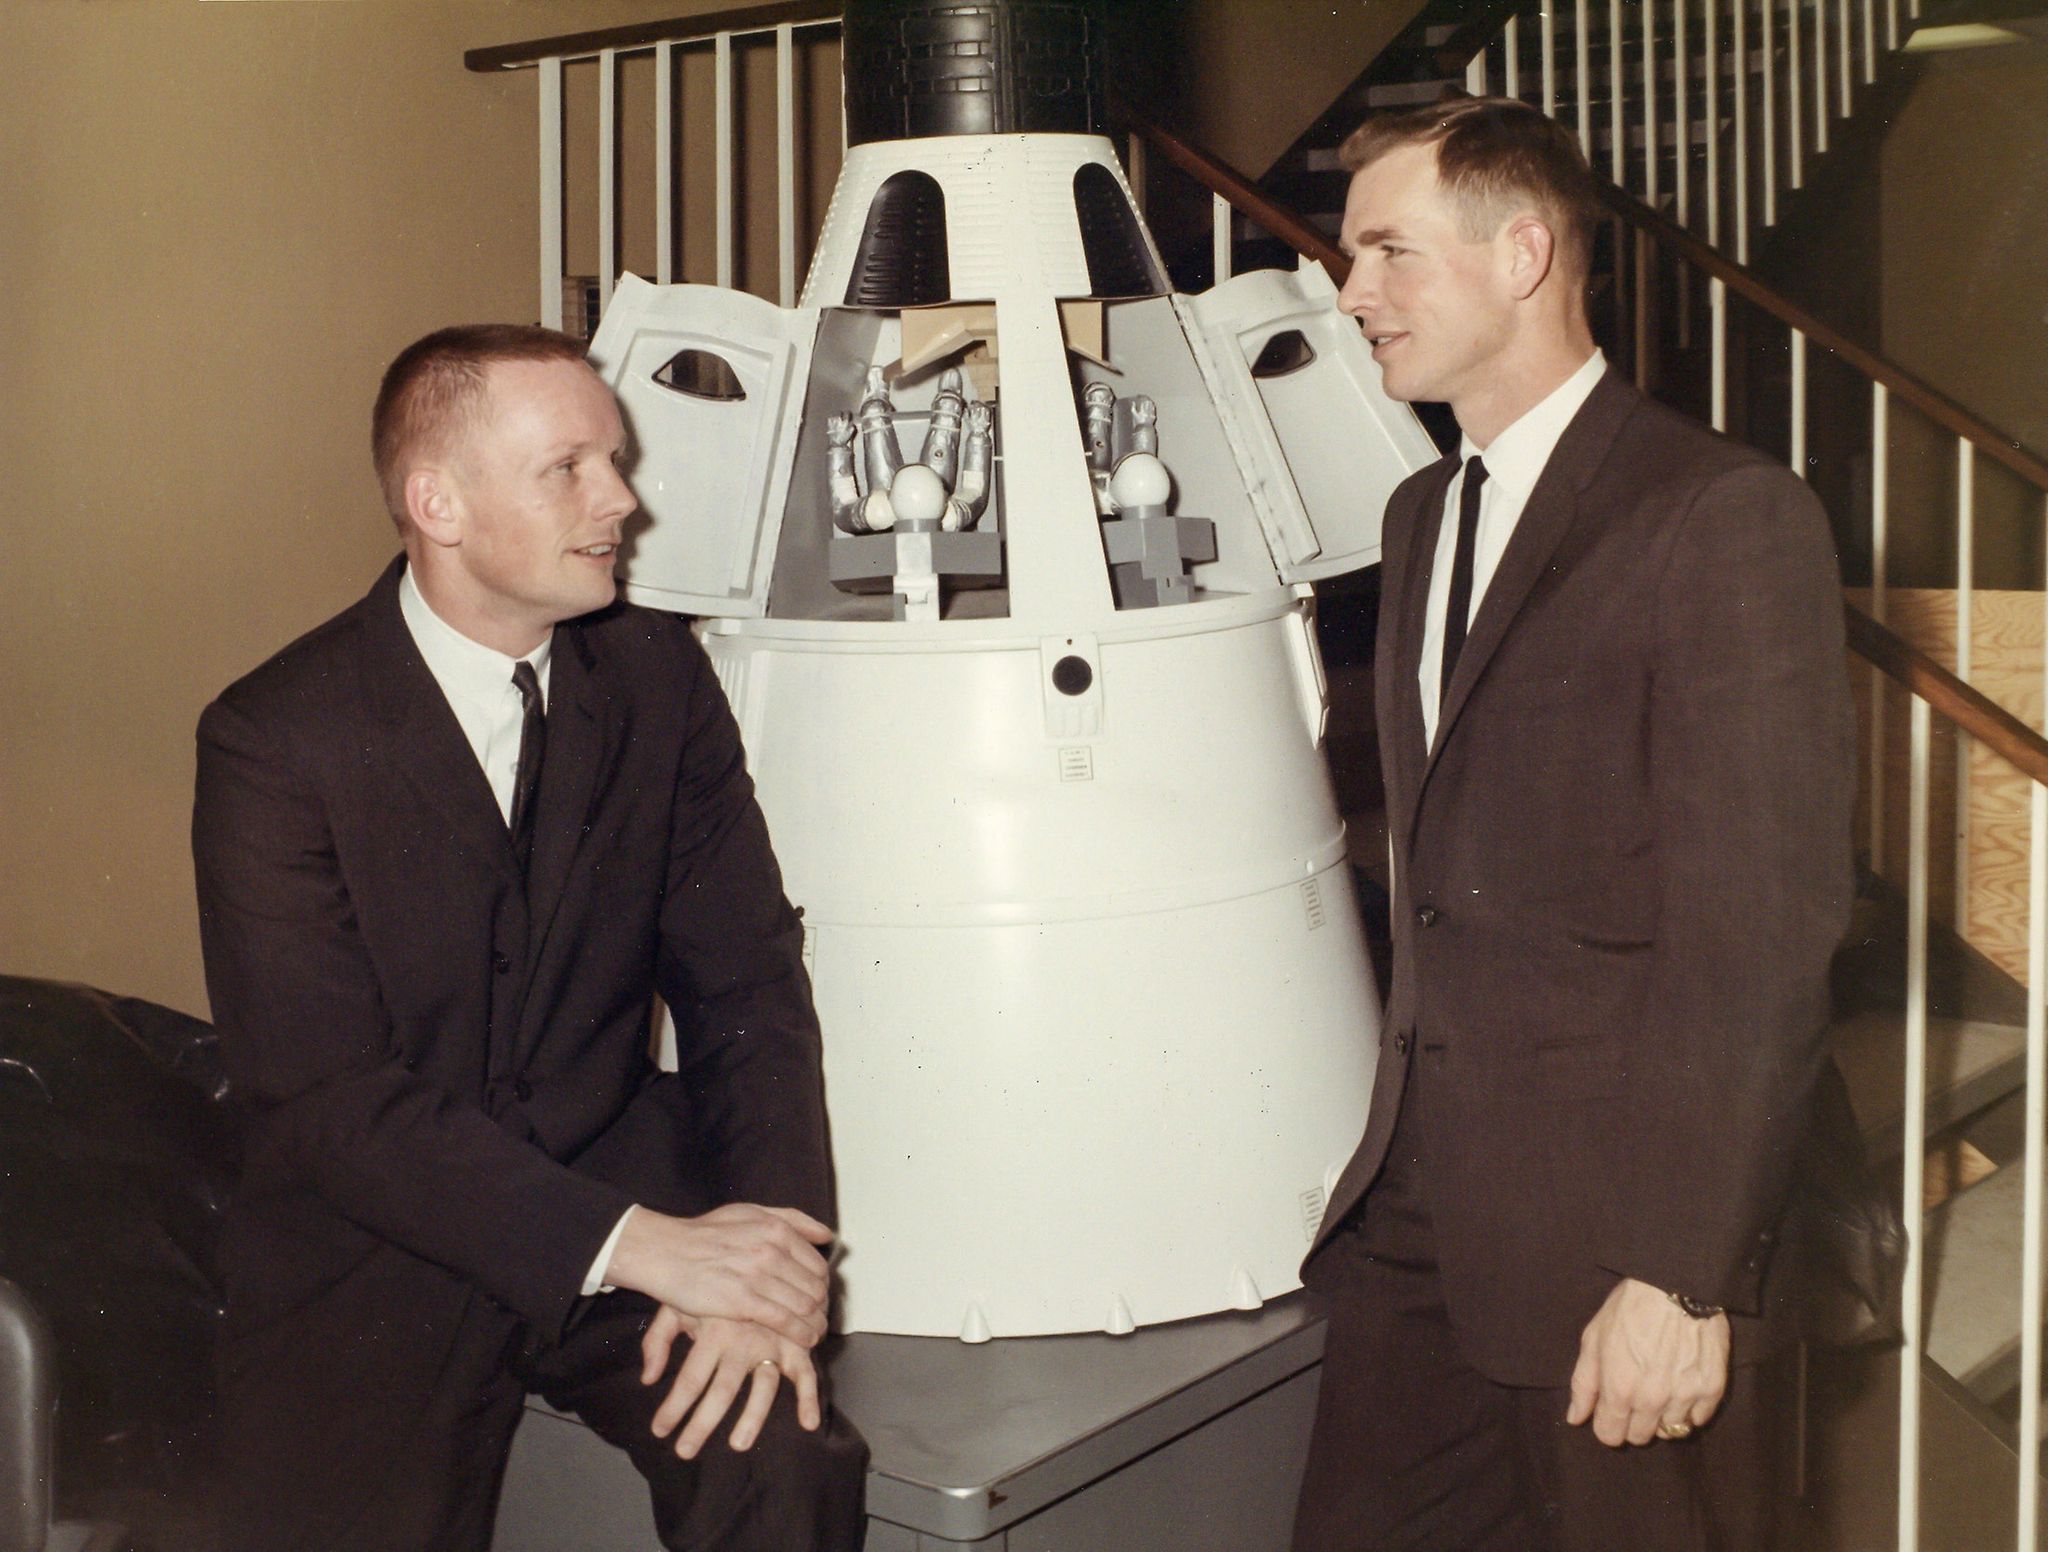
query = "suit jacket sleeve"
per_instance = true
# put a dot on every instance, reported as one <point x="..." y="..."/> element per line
<point x="1752" y="773"/>
<point x="310" y="1042"/>
<point x="731" y="970"/>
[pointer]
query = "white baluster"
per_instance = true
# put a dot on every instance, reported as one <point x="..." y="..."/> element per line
<point x="607" y="175"/>
<point x="664" y="163"/>
<point x="1795" y="89"/>
<point x="785" y="163"/>
<point x="1769" y="31"/>
<point x="1742" y="130"/>
<point x="1820" y="77"/>
<point x="1547" y="20"/>
<point x="1681" y="120"/>
<point x="1582" y="71"/>
<point x="551" y="193"/>
<point x="1617" y="135"/>
<point x="1798" y="407"/>
<point x="2033" y="1163"/>
<point x="1717" y="303"/>
<point x="1650" y="102"/>
<point x="1966" y="601"/>
<point x="1915" y="1183"/>
<point x="1713" y="118"/>
<point x="722" y="150"/>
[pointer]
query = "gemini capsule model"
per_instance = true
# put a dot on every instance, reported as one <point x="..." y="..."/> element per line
<point x="1003" y="552"/>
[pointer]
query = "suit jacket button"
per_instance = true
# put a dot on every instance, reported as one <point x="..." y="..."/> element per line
<point x="1426" y="915"/>
<point x="1400" y="1045"/>
<point x="500" y="963"/>
<point x="522" y="1090"/>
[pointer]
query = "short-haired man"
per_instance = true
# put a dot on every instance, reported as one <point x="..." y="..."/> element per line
<point x="1617" y="746"/>
<point x="449" y="847"/>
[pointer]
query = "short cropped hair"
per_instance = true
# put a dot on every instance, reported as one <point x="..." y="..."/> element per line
<point x="1494" y="155"/>
<point x="436" y="387"/>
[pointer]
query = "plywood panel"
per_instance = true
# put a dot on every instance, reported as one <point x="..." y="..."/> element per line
<point x="2007" y="641"/>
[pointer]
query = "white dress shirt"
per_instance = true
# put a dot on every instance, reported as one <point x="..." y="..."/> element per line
<point x="1514" y="462"/>
<point x="477" y="680"/>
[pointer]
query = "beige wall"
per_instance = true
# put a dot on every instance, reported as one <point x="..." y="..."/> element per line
<point x="1963" y="232"/>
<point x="217" y="222"/>
<point x="1256" y="73"/>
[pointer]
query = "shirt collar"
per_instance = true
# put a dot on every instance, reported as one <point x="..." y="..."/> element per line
<point x="1515" y="458"/>
<point x="478" y="673"/>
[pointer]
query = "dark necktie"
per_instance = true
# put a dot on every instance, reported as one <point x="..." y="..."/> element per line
<point x="533" y="743"/>
<point x="1458" y="610"/>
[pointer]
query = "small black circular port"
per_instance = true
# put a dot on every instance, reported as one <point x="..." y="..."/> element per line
<point x="1072" y="676"/>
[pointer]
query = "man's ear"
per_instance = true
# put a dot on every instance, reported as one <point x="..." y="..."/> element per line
<point x="434" y="504"/>
<point x="1531" y="254"/>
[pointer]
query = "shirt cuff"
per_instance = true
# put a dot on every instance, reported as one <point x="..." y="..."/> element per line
<point x="593" y="1282"/>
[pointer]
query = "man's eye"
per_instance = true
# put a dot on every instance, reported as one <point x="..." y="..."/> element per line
<point x="1391" y="251"/>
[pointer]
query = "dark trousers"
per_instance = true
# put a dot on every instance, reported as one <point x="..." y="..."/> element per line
<point x="290" y="1485"/>
<point x="1416" y="1451"/>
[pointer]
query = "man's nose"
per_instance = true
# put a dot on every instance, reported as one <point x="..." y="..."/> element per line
<point x="1359" y="290"/>
<point x="617" y="498"/>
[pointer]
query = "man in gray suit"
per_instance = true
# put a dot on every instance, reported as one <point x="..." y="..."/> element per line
<point x="1618" y="753"/>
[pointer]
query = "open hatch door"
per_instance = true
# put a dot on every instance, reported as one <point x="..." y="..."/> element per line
<point x="711" y="383"/>
<point x="1320" y="444"/>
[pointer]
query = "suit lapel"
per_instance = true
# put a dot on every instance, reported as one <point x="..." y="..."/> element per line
<point x="417" y="734"/>
<point x="580" y="746"/>
<point x="1406" y="594"/>
<point x="1546" y="517"/>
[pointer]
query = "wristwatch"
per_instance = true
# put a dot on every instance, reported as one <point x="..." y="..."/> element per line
<point x="1694" y="1307"/>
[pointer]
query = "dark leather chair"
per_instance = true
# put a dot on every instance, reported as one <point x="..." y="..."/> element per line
<point x="118" y="1147"/>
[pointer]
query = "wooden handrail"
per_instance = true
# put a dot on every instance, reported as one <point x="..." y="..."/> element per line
<point x="1924" y="397"/>
<point x="642" y="35"/>
<point x="1242" y="193"/>
<point x="1989" y="723"/>
<point x="1472" y="35"/>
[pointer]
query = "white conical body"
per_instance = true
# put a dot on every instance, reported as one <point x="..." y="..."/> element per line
<point x="1099" y="1024"/>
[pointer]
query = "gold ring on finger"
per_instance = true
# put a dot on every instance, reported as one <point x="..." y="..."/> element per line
<point x="1674" y="1430"/>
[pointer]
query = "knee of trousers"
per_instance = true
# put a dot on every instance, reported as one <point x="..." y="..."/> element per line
<point x="831" y="1455"/>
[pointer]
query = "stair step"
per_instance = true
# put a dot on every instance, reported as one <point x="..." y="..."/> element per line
<point x="1408" y="94"/>
<point x="1973" y="1244"/>
<point x="1970" y="1064"/>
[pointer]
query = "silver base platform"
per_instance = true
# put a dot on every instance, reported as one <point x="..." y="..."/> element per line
<point x="1180" y="1438"/>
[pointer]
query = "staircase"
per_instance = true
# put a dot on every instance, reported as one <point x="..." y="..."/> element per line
<point x="1764" y="87"/>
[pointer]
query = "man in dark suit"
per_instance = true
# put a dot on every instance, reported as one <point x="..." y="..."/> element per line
<point x="1618" y="754"/>
<point x="449" y="847"/>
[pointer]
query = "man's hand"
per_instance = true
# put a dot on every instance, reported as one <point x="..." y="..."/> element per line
<point x="738" y="1262"/>
<point x="1643" y="1362"/>
<point x="724" y="1355"/>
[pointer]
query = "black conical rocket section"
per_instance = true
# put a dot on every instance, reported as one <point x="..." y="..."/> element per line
<point x="915" y="68"/>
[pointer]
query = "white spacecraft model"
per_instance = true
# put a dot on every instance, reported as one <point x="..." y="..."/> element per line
<point x="1003" y="552"/>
